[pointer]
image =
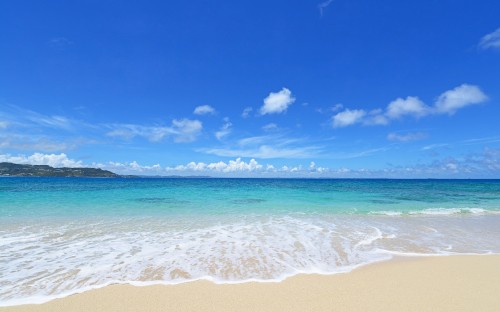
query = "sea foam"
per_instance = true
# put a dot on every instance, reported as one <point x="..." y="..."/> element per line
<point x="54" y="259"/>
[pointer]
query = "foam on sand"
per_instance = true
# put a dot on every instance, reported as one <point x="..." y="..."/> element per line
<point x="458" y="283"/>
<point x="52" y="260"/>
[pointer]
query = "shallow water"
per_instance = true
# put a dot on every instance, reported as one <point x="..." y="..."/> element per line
<point x="61" y="235"/>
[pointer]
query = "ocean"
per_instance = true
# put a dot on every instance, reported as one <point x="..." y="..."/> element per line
<point x="60" y="236"/>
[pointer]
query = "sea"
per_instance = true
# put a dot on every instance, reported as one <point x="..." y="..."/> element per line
<point x="60" y="236"/>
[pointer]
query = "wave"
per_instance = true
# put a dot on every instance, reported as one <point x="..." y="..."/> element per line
<point x="437" y="211"/>
<point x="48" y="261"/>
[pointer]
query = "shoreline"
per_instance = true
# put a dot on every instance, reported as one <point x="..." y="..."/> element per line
<point x="441" y="283"/>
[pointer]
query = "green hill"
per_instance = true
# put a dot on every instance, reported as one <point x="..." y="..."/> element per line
<point x="18" y="170"/>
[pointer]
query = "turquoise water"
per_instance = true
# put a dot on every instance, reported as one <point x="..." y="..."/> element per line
<point x="59" y="236"/>
<point x="72" y="197"/>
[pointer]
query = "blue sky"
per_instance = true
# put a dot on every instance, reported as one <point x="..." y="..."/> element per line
<point x="341" y="88"/>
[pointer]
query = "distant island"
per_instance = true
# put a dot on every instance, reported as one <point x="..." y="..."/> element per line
<point x="18" y="170"/>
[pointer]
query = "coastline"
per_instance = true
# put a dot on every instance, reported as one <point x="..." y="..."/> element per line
<point x="442" y="283"/>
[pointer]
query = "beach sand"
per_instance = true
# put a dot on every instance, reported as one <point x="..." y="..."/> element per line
<point x="455" y="283"/>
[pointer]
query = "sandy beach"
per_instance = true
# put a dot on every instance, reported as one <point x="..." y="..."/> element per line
<point x="455" y="283"/>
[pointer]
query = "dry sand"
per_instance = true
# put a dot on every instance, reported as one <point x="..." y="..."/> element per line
<point x="458" y="283"/>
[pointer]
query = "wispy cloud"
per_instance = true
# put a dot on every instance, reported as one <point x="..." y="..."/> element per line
<point x="476" y="141"/>
<point x="13" y="141"/>
<point x="16" y="116"/>
<point x="435" y="146"/>
<point x="491" y="40"/>
<point x="415" y="136"/>
<point x="225" y="130"/>
<point x="182" y="130"/>
<point x="358" y="154"/>
<point x="260" y="139"/>
<point x="59" y="42"/>
<point x="246" y="112"/>
<point x="333" y="109"/>
<point x="323" y="5"/>
<point x="266" y="152"/>
<point x="270" y="127"/>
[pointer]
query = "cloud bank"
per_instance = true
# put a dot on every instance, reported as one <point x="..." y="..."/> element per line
<point x="484" y="164"/>
<point x="53" y="160"/>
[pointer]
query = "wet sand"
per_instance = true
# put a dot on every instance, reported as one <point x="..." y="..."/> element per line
<point x="454" y="283"/>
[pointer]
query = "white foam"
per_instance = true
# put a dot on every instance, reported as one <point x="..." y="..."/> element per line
<point x="437" y="211"/>
<point x="52" y="260"/>
<point x="387" y="213"/>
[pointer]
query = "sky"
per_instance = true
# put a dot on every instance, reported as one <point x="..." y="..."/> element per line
<point x="335" y="88"/>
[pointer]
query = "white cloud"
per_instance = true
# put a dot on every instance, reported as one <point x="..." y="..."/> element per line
<point x="406" y="137"/>
<point x="270" y="167"/>
<point x="452" y="100"/>
<point x="491" y="40"/>
<point x="412" y="106"/>
<point x="347" y="117"/>
<point x="376" y="117"/>
<point x="295" y="169"/>
<point x="224" y="130"/>
<point x="204" y="110"/>
<point x="236" y="165"/>
<point x="129" y="168"/>
<point x="246" y="112"/>
<point x="447" y="103"/>
<point x="276" y="103"/>
<point x="53" y="160"/>
<point x="485" y="164"/>
<point x="314" y="168"/>
<point x="376" y="120"/>
<point x="4" y="124"/>
<point x="186" y="130"/>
